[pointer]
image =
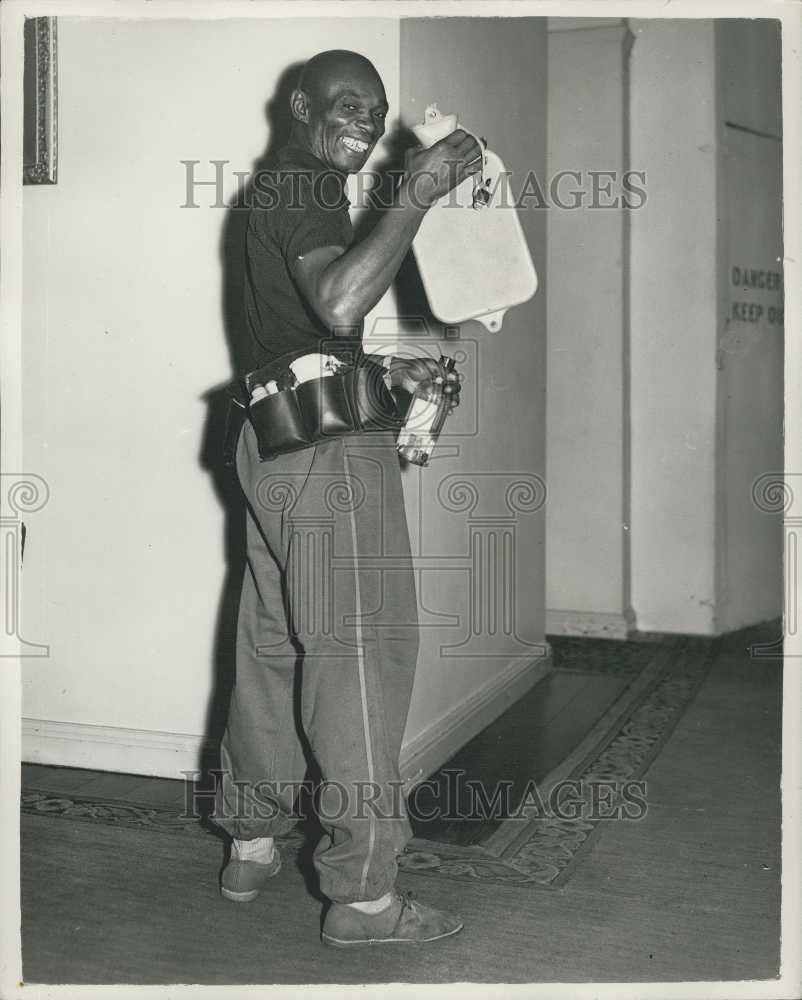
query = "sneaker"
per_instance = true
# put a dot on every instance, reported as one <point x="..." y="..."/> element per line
<point x="242" y="881"/>
<point x="404" y="922"/>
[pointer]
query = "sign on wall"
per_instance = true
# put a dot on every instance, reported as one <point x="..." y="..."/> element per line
<point x="750" y="361"/>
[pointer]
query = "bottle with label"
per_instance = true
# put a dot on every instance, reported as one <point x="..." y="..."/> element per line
<point x="425" y="418"/>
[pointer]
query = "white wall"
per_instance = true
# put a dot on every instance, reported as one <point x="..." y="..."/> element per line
<point x="706" y="382"/>
<point x="588" y="420"/>
<point x="664" y="418"/>
<point x="674" y="321"/>
<point x="123" y="333"/>
<point x="632" y="331"/>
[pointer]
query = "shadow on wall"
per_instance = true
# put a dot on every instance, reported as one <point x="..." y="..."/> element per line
<point x="412" y="305"/>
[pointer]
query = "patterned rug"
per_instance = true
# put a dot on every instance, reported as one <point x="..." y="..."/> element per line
<point x="543" y="848"/>
<point x="551" y="831"/>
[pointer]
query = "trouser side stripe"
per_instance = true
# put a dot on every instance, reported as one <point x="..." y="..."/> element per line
<point x="360" y="656"/>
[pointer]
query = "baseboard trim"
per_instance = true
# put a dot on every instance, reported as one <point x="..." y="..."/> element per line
<point x="594" y="624"/>
<point x="111" y="748"/>
<point x="172" y="755"/>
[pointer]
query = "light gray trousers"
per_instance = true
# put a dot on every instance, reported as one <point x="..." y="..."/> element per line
<point x="328" y="592"/>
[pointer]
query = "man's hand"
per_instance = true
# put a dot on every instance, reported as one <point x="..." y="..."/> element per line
<point x="430" y="173"/>
<point x="412" y="373"/>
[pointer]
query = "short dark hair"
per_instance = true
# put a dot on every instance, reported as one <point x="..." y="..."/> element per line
<point x="325" y="64"/>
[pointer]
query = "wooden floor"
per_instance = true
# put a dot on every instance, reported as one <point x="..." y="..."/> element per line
<point x="526" y="743"/>
<point x="690" y="892"/>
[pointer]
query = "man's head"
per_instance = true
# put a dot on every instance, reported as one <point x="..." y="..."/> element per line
<point x="339" y="107"/>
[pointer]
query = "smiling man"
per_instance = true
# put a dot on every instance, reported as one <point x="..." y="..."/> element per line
<point x="308" y="289"/>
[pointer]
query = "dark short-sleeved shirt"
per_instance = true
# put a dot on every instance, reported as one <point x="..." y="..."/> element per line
<point x="297" y="205"/>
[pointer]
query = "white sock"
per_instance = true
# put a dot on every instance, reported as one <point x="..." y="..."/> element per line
<point x="260" y="849"/>
<point x="374" y="905"/>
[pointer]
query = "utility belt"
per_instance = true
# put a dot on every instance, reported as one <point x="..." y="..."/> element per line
<point x="354" y="399"/>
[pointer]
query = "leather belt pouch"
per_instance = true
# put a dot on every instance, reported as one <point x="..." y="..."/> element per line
<point x="323" y="409"/>
<point x="278" y="424"/>
<point x="235" y="416"/>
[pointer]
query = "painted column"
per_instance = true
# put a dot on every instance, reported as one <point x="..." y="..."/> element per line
<point x="588" y="396"/>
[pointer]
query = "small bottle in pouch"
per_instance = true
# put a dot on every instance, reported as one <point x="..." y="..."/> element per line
<point x="258" y="392"/>
<point x="425" y="418"/>
<point x="271" y="387"/>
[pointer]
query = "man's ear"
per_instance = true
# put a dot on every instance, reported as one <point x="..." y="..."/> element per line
<point x="300" y="105"/>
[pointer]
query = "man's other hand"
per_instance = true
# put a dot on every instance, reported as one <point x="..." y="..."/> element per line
<point x="430" y="173"/>
<point x="411" y="374"/>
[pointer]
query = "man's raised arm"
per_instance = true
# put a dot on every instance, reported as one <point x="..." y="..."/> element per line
<point x="342" y="286"/>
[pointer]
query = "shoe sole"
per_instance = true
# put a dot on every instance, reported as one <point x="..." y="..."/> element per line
<point x="239" y="897"/>
<point x="341" y="943"/>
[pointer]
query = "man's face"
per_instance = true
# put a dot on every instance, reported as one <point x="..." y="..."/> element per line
<point x="347" y="119"/>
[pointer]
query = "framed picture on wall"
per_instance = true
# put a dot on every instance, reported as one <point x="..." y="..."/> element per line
<point x="40" y="121"/>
